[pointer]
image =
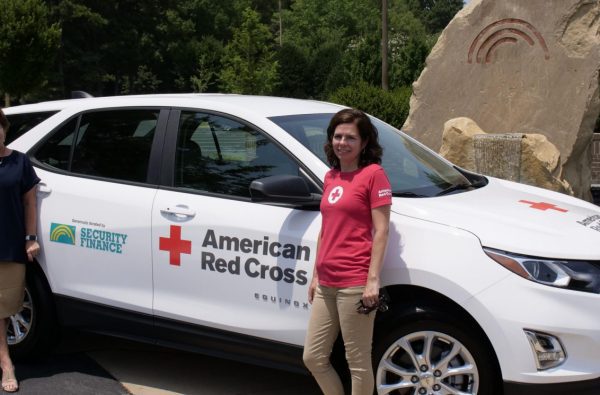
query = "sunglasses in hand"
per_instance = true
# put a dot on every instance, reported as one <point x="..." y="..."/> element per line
<point x="381" y="305"/>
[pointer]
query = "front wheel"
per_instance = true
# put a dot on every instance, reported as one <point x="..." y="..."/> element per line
<point x="434" y="357"/>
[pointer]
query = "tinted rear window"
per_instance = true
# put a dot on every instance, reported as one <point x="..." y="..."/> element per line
<point x="22" y="123"/>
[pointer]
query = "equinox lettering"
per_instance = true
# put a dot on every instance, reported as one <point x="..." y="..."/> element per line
<point x="281" y="301"/>
<point x="589" y="222"/>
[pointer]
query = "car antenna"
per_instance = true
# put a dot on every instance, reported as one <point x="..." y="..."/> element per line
<point x="80" y="95"/>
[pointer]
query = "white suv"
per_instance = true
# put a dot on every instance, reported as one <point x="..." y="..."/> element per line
<point x="191" y="221"/>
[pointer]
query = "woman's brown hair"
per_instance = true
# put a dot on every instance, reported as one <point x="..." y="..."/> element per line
<point x="4" y="121"/>
<point x="371" y="153"/>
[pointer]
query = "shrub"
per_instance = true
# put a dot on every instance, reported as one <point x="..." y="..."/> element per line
<point x="389" y="106"/>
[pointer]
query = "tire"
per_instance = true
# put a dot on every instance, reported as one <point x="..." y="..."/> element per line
<point x="33" y="331"/>
<point x="434" y="356"/>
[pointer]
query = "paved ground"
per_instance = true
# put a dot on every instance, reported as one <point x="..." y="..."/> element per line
<point x="66" y="373"/>
<point x="91" y="364"/>
<point x="157" y="371"/>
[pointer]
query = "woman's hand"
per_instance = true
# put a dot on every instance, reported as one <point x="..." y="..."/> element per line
<point x="33" y="249"/>
<point x="312" y="288"/>
<point x="370" y="296"/>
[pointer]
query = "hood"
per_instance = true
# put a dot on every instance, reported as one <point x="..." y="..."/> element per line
<point x="517" y="218"/>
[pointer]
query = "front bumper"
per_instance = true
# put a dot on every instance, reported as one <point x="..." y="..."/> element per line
<point x="588" y="387"/>
<point x="514" y="304"/>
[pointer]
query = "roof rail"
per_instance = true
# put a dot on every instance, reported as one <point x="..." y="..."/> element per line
<point x="80" y="95"/>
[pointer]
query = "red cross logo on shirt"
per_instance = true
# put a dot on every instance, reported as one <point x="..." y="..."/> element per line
<point x="175" y="245"/>
<point x="335" y="194"/>
<point x="543" y="206"/>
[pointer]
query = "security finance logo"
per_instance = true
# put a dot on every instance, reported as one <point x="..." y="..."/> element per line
<point x="61" y="233"/>
<point x="335" y="195"/>
<point x="92" y="238"/>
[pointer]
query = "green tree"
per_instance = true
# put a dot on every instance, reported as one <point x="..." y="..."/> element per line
<point x="249" y="64"/>
<point x="208" y="63"/>
<point x="409" y="46"/>
<point x="435" y="14"/>
<point x="80" y="64"/>
<point x="28" y="44"/>
<point x="338" y="40"/>
<point x="300" y="48"/>
<point x="169" y="45"/>
<point x="294" y="64"/>
<point x="144" y="81"/>
<point x="108" y="47"/>
<point x="191" y="36"/>
<point x="130" y="43"/>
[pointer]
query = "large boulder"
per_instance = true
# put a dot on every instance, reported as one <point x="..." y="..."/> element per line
<point x="522" y="157"/>
<point x="517" y="66"/>
<point x="457" y="142"/>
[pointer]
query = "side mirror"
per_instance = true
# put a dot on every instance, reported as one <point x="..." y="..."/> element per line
<point x="284" y="189"/>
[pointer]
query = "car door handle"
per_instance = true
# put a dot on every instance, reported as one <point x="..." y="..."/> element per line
<point x="178" y="211"/>
<point x="43" y="188"/>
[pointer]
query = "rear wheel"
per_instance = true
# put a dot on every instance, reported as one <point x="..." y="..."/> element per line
<point x="33" y="330"/>
<point x="20" y="323"/>
<point x="434" y="357"/>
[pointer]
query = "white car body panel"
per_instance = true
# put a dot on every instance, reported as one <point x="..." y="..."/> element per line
<point x="501" y="216"/>
<point x="197" y="291"/>
<point x="120" y="278"/>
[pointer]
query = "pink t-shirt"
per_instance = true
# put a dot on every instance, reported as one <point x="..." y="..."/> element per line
<point x="346" y="233"/>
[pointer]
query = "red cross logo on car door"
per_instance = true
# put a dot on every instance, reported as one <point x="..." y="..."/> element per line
<point x="175" y="245"/>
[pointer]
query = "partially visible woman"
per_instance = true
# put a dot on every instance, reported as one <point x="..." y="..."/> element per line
<point x="355" y="212"/>
<point x="18" y="240"/>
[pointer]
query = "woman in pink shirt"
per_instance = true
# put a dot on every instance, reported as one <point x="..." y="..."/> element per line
<point x="355" y="212"/>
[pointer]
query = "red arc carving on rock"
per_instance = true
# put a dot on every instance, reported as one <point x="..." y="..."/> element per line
<point x="495" y="34"/>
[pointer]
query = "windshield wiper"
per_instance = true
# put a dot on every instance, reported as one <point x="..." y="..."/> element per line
<point x="456" y="187"/>
<point x="407" y="194"/>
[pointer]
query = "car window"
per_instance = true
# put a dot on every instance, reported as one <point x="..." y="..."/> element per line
<point x="56" y="151"/>
<point x="111" y="144"/>
<point x="411" y="169"/>
<point x="220" y="155"/>
<point x="22" y="123"/>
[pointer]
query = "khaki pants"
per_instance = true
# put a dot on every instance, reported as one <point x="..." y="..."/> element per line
<point x="334" y="309"/>
<point x="12" y="288"/>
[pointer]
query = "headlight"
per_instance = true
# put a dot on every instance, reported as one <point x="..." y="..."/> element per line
<point x="576" y="275"/>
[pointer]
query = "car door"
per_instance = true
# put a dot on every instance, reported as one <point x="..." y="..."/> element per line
<point x="95" y="208"/>
<point x="220" y="260"/>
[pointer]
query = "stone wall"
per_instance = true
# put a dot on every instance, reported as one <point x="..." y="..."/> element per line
<point x="516" y="66"/>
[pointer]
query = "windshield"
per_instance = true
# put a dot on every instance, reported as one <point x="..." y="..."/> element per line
<point x="413" y="170"/>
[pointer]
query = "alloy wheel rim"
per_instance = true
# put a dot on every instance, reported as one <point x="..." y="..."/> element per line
<point x="427" y="363"/>
<point x="19" y="324"/>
